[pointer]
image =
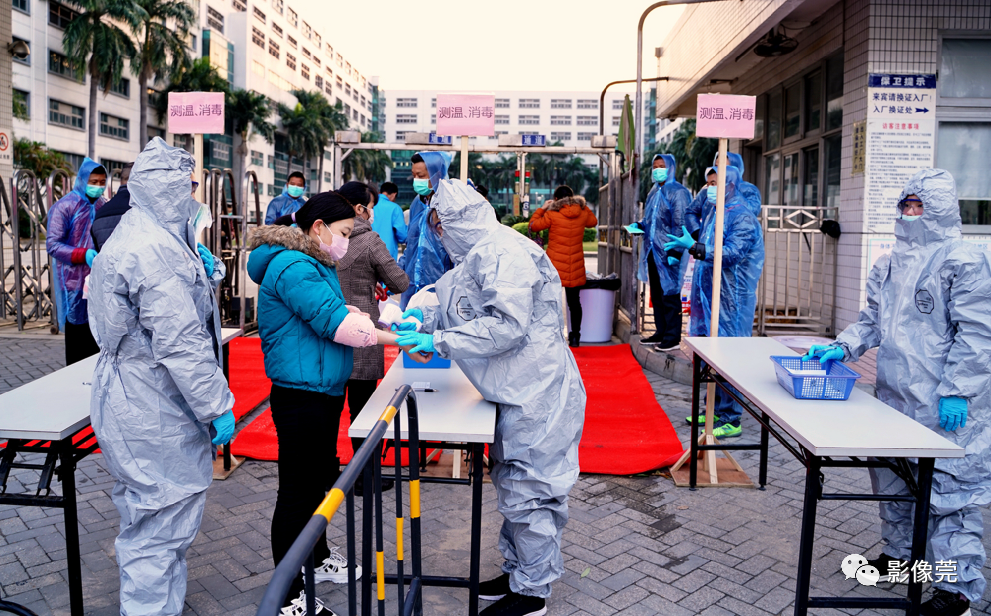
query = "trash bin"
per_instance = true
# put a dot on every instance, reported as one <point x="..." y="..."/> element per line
<point x="598" y="299"/>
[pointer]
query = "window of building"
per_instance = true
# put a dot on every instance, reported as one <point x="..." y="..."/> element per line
<point x="502" y="103"/>
<point x="340" y="86"/>
<point x="501" y="132"/>
<point x="558" y="136"/>
<point x="239" y="5"/>
<point x="307" y="30"/>
<point x="59" y="15"/>
<point x="292" y="17"/>
<point x="306" y="53"/>
<point x="433" y="118"/>
<point x="617" y="105"/>
<point x="273" y="49"/>
<point x="290" y="61"/>
<point x="588" y="103"/>
<point x="405" y="102"/>
<point x="406" y="118"/>
<point x="529" y="132"/>
<point x="291" y="41"/>
<point x="347" y="110"/>
<point x="362" y="119"/>
<point x="112" y="126"/>
<point x="257" y="158"/>
<point x="316" y="60"/>
<point x="433" y="103"/>
<point x="278" y="6"/>
<point x="257" y="68"/>
<point x="502" y="119"/>
<point x="347" y="89"/>
<point x="558" y="120"/>
<point x="62" y="66"/>
<point x="529" y="120"/>
<point x="257" y="37"/>
<point x="318" y="40"/>
<point x="615" y="120"/>
<point x="587" y="121"/>
<point x="276" y="29"/>
<point x="73" y="160"/>
<point x="401" y="135"/>
<point x="318" y="82"/>
<point x="26" y="60"/>
<point x="259" y="14"/>
<point x="154" y="131"/>
<point x="328" y="89"/>
<point x="22" y="5"/>
<point x="363" y="103"/>
<point x="280" y="82"/>
<point x="121" y="88"/>
<point x="560" y="103"/>
<point x="529" y="103"/>
<point x="304" y="70"/>
<point x="215" y="19"/>
<point x="22" y="99"/>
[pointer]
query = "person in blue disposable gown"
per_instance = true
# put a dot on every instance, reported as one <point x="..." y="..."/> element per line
<point x="700" y="207"/>
<point x="388" y="221"/>
<point x="424" y="260"/>
<point x="663" y="269"/>
<point x="70" y="244"/>
<point x="158" y="386"/>
<point x="749" y="192"/>
<point x="742" y="263"/>
<point x="289" y="201"/>
<point x="500" y="317"/>
<point x="928" y="314"/>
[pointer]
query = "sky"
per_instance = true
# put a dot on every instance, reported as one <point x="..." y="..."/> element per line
<point x="494" y="45"/>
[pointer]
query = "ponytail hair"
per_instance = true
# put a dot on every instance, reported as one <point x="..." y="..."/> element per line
<point x="326" y="206"/>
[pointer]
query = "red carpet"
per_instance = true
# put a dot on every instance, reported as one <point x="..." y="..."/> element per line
<point x="626" y="430"/>
<point x="248" y="383"/>
<point x="258" y="441"/>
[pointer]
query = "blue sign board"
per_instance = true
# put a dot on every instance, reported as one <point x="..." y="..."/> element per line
<point x="437" y="140"/>
<point x="535" y="140"/>
<point x="927" y="82"/>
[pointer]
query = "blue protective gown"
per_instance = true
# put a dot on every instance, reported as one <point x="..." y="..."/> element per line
<point x="390" y="224"/>
<point x="929" y="316"/>
<point x="283" y="205"/>
<point x="69" y="224"/>
<point x="749" y="192"/>
<point x="424" y="259"/>
<point x="664" y="214"/>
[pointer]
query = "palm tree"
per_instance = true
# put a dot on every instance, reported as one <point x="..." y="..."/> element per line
<point x="95" y="43"/>
<point x="330" y="117"/>
<point x="249" y="112"/>
<point x="367" y="165"/>
<point x="305" y="131"/>
<point x="162" y="54"/>
<point x="200" y="76"/>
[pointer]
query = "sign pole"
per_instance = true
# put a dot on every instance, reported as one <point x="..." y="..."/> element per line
<point x="464" y="158"/>
<point x="717" y="274"/>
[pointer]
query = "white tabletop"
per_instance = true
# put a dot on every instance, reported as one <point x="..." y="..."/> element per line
<point x="51" y="408"/>
<point x="859" y="426"/>
<point x="229" y="333"/>
<point x="455" y="413"/>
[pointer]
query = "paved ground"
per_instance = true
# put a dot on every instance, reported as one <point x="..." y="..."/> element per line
<point x="634" y="545"/>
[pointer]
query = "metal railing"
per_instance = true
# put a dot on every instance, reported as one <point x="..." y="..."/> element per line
<point x="368" y="461"/>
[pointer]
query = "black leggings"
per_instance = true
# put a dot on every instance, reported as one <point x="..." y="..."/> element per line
<point x="358" y="392"/>
<point x="667" y="308"/>
<point x="306" y="424"/>
<point x="575" y="308"/>
<point x="79" y="343"/>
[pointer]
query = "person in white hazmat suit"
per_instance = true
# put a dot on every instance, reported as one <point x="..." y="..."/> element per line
<point x="158" y="384"/>
<point x="929" y="314"/>
<point x="500" y="318"/>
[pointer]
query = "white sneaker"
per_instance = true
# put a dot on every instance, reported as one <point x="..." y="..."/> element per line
<point x="334" y="569"/>
<point x="298" y="607"/>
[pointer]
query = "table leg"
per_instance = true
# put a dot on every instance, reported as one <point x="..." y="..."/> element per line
<point x="921" y="529"/>
<point x="366" y="541"/>
<point x="812" y="492"/>
<point x="762" y="479"/>
<point x="477" y="450"/>
<point x="693" y="464"/>
<point x="73" y="559"/>
<point x="227" y="377"/>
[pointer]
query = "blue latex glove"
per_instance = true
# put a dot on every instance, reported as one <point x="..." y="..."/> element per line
<point x="404" y="327"/>
<point x="673" y="260"/>
<point x="224" y="425"/>
<point x="824" y="352"/>
<point x="952" y="413"/>
<point x="634" y="229"/>
<point x="416" y="313"/>
<point x="684" y="242"/>
<point x="207" y="258"/>
<point x="90" y="255"/>
<point x="421" y="343"/>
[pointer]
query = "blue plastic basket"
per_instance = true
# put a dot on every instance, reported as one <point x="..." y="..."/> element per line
<point x="836" y="385"/>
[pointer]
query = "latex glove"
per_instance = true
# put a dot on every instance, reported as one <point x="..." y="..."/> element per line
<point x="421" y="343"/>
<point x="684" y="242"/>
<point x="673" y="260"/>
<point x="416" y="313"/>
<point x="634" y="229"/>
<point x="207" y="257"/>
<point x="952" y="413"/>
<point x="403" y="327"/>
<point x="224" y="425"/>
<point x="824" y="352"/>
<point x="90" y="255"/>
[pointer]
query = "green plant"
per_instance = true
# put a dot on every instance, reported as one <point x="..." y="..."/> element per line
<point x="37" y="158"/>
<point x="249" y="113"/>
<point x="367" y="165"/>
<point x="20" y="107"/>
<point x="590" y="235"/>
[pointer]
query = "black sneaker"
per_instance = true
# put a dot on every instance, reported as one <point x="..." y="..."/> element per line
<point x="496" y="589"/>
<point x="655" y="339"/>
<point x="883" y="565"/>
<point x="944" y="603"/>
<point x="665" y="346"/>
<point x="516" y="605"/>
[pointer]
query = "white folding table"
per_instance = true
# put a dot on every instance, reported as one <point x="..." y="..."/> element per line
<point x="48" y="416"/>
<point x="455" y="415"/>
<point x="863" y="430"/>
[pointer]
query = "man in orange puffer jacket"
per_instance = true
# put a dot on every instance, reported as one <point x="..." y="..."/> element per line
<point x="567" y="217"/>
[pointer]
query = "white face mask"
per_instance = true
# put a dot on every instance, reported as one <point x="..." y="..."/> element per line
<point x="371" y="215"/>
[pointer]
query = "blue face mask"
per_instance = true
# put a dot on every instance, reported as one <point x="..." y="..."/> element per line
<point x="421" y="187"/>
<point x="911" y="218"/>
<point x="659" y="175"/>
<point x="94" y="192"/>
<point x="710" y="193"/>
<point x="295" y="191"/>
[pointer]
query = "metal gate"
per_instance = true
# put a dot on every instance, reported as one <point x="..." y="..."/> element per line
<point x="618" y="207"/>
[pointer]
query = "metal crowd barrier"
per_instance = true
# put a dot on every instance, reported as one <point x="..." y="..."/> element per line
<point x="366" y="460"/>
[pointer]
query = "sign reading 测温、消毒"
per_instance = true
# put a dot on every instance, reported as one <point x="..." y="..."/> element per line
<point x="466" y="115"/>
<point x="196" y="113"/>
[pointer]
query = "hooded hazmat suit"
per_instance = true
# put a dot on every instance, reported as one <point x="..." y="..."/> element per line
<point x="424" y="259"/>
<point x="663" y="214"/>
<point x="929" y="315"/>
<point x="282" y="205"/>
<point x="500" y="318"/>
<point x="158" y="381"/>
<point x="69" y="224"/>
<point x="742" y="263"/>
